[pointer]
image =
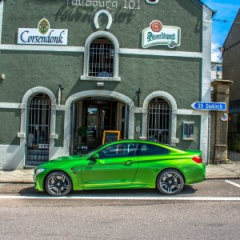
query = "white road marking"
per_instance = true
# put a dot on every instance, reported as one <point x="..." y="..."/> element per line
<point x="233" y="183"/>
<point x="123" y="198"/>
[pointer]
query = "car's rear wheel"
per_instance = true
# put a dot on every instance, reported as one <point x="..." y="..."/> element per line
<point x="170" y="181"/>
<point x="58" y="184"/>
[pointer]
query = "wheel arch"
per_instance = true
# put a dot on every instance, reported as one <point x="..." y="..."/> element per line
<point x="58" y="170"/>
<point x="169" y="168"/>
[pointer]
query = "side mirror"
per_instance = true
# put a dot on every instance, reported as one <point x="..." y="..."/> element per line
<point x="94" y="158"/>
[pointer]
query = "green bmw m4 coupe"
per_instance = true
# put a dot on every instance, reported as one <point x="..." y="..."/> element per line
<point x="122" y="164"/>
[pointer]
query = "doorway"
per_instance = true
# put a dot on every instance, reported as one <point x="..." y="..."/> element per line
<point x="94" y="115"/>
<point x="39" y="115"/>
<point x="159" y="115"/>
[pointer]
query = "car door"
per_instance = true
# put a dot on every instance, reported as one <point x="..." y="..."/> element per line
<point x="150" y="159"/>
<point x="116" y="167"/>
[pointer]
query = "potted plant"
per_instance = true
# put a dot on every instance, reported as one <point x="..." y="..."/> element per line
<point x="82" y="133"/>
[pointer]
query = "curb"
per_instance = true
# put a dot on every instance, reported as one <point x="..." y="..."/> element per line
<point x="221" y="178"/>
<point x="16" y="182"/>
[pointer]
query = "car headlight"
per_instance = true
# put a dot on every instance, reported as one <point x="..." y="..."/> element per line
<point x="39" y="170"/>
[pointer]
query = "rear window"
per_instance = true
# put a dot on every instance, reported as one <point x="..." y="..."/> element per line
<point x="149" y="150"/>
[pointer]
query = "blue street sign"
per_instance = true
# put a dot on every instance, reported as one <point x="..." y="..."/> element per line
<point x="210" y="106"/>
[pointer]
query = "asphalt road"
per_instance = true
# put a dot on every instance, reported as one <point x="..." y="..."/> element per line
<point x="209" y="210"/>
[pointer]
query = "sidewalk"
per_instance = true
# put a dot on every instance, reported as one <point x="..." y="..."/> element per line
<point x="220" y="171"/>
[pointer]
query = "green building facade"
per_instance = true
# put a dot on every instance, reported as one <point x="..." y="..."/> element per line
<point x="70" y="67"/>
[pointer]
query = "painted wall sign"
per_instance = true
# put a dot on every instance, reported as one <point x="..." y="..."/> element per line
<point x="210" y="106"/>
<point x="152" y="1"/>
<point x="157" y="34"/>
<point x="42" y="35"/>
<point x="96" y="23"/>
<point x="105" y="4"/>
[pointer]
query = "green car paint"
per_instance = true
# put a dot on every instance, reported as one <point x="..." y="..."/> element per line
<point x="122" y="167"/>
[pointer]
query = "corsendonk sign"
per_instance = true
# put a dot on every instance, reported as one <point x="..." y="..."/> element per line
<point x="42" y="35"/>
<point x="157" y="34"/>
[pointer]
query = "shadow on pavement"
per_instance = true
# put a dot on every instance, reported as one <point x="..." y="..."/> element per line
<point x="234" y="156"/>
<point x="30" y="191"/>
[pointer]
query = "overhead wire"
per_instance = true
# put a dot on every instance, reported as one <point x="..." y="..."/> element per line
<point x="223" y="21"/>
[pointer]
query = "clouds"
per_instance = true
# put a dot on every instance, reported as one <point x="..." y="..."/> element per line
<point x="216" y="55"/>
<point x="226" y="10"/>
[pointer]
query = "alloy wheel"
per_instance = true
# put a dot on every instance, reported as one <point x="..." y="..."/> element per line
<point x="58" y="184"/>
<point x="170" y="182"/>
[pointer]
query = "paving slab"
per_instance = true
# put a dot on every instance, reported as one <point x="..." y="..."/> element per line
<point x="223" y="171"/>
<point x="17" y="176"/>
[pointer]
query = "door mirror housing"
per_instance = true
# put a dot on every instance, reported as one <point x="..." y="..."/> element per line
<point x="94" y="157"/>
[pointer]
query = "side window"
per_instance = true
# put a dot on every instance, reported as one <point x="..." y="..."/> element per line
<point x="150" y="150"/>
<point x="101" y="58"/>
<point x="118" y="150"/>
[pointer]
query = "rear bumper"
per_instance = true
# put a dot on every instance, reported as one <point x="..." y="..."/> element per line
<point x="197" y="173"/>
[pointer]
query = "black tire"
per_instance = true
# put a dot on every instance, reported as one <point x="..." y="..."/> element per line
<point x="170" y="182"/>
<point x="58" y="184"/>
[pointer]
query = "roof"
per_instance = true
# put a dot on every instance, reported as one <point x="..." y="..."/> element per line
<point x="201" y="4"/>
<point x="233" y="37"/>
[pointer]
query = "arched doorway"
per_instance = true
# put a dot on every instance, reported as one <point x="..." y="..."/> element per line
<point x="93" y="115"/>
<point x="38" y="130"/>
<point x="159" y="121"/>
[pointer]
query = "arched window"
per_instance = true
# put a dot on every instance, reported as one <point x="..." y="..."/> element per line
<point x="159" y="118"/>
<point x="101" y="58"/>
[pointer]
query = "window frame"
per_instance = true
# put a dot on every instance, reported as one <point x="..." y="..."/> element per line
<point x="101" y="58"/>
<point x="116" y="145"/>
<point x="89" y="41"/>
<point x="185" y="136"/>
<point x="163" y="111"/>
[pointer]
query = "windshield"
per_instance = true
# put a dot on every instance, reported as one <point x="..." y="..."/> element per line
<point x="91" y="152"/>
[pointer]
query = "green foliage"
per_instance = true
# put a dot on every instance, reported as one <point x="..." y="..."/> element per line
<point x="82" y="131"/>
<point x="234" y="143"/>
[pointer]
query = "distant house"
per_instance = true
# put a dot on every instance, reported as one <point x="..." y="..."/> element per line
<point x="231" y="71"/>
<point x="216" y="71"/>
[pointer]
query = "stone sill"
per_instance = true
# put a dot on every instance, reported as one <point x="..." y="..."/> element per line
<point x="101" y="79"/>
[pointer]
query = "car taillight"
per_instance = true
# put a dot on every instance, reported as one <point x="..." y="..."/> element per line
<point x="197" y="159"/>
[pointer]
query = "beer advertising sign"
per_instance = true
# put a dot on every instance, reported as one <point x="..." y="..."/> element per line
<point x="158" y="34"/>
<point x="42" y="35"/>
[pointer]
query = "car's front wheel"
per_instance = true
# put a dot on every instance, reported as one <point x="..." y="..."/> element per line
<point x="170" y="181"/>
<point x="58" y="184"/>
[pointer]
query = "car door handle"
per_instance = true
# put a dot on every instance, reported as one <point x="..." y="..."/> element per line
<point x="129" y="162"/>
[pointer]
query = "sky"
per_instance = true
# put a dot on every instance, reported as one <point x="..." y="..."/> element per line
<point x="226" y="11"/>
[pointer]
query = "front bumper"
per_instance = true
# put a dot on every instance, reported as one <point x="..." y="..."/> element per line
<point x="39" y="181"/>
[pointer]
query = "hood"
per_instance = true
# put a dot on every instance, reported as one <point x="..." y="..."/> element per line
<point x="68" y="158"/>
<point x="61" y="160"/>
